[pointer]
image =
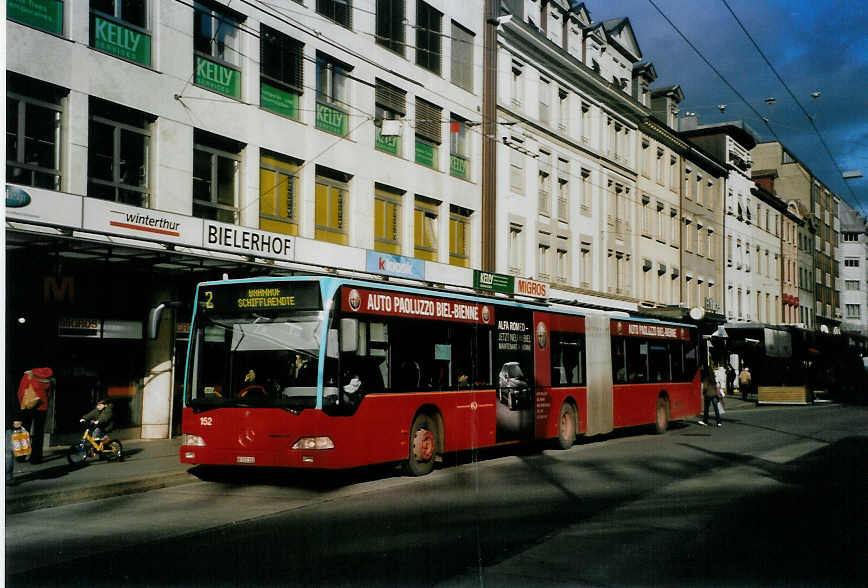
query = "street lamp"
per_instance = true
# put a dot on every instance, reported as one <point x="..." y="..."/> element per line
<point x="852" y="174"/>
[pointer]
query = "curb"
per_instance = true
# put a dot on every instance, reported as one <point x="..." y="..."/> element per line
<point x="85" y="493"/>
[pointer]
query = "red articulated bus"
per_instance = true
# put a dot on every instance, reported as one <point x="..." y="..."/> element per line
<point x="310" y="372"/>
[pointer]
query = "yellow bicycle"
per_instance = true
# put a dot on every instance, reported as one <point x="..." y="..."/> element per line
<point x="88" y="447"/>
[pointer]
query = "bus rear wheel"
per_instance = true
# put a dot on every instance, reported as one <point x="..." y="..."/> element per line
<point x="423" y="446"/>
<point x="661" y="422"/>
<point x="567" y="426"/>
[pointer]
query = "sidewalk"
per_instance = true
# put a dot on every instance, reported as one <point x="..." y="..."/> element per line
<point x="149" y="464"/>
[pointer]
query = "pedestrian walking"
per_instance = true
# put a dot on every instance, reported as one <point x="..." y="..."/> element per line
<point x="730" y="379"/>
<point x="710" y="395"/>
<point x="34" y="391"/>
<point x="744" y="382"/>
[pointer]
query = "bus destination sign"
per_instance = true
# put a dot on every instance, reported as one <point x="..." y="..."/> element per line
<point x="651" y="331"/>
<point x="415" y="306"/>
<point x="261" y="296"/>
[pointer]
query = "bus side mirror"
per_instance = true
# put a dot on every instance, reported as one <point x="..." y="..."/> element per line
<point x="155" y="315"/>
<point x="349" y="335"/>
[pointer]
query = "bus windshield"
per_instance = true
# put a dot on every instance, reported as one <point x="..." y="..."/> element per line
<point x="253" y="360"/>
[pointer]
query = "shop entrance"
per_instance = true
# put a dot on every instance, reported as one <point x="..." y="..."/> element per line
<point x="88" y="370"/>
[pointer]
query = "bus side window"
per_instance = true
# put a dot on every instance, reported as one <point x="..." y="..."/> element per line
<point x="619" y="361"/>
<point x="658" y="362"/>
<point x="675" y="354"/>
<point x="567" y="359"/>
<point x="690" y="362"/>
<point x="637" y="360"/>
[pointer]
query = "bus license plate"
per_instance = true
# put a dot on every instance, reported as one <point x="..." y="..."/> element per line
<point x="245" y="459"/>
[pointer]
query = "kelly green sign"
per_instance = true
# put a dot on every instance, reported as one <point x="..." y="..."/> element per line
<point x="493" y="282"/>
<point x="331" y="119"/>
<point x="217" y="77"/>
<point x="46" y="15"/>
<point x="389" y="144"/>
<point x="119" y="40"/>
<point x="425" y="153"/>
<point x="458" y="167"/>
<point x="278" y="101"/>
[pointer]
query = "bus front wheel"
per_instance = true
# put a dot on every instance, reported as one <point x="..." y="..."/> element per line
<point x="567" y="426"/>
<point x="423" y="446"/>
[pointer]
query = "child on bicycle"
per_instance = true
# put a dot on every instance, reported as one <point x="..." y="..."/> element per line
<point x="100" y="419"/>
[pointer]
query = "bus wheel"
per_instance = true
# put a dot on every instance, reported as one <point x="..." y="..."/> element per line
<point x="661" y="422"/>
<point x="567" y="426"/>
<point x="423" y="446"/>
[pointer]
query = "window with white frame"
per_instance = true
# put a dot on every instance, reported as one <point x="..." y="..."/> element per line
<point x="563" y="111"/>
<point x="332" y="95"/>
<point x="459" y="235"/>
<point x="517" y="83"/>
<point x="462" y="57"/>
<point x="545" y="182"/>
<point x="119" y="145"/>
<point x="390" y="25"/>
<point x="278" y="193"/>
<point x="563" y="190"/>
<point x="586" y="266"/>
<point x="34" y="116"/>
<point x="340" y="11"/>
<point x="587" y="194"/>
<point x="516" y="165"/>
<point x="545" y="100"/>
<point x="853" y="311"/>
<point x="426" y="228"/>
<point x="331" y="203"/>
<point x="543" y="260"/>
<point x="428" y="37"/>
<point x="515" y="248"/>
<point x="459" y="147"/>
<point x="216" y="167"/>
<point x="387" y="219"/>
<point x="216" y="44"/>
<point x="562" y="261"/>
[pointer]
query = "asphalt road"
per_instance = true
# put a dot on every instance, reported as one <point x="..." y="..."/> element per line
<point x="775" y="497"/>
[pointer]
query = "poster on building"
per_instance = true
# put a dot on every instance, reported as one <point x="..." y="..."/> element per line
<point x="105" y="216"/>
<point x="45" y="207"/>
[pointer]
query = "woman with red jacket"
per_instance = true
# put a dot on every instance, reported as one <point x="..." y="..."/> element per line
<point x="33" y="393"/>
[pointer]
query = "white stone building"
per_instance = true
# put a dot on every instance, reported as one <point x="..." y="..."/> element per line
<point x="567" y="125"/>
<point x="854" y="270"/>
<point x="232" y="137"/>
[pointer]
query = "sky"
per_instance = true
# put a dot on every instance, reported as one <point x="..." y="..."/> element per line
<point x="815" y="46"/>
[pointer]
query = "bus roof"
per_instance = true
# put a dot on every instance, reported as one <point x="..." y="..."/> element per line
<point x="330" y="284"/>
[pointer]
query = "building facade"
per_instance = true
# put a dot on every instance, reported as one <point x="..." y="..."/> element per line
<point x="797" y="181"/>
<point x="161" y="143"/>
<point x="790" y="286"/>
<point x="807" y="309"/>
<point x="749" y="289"/>
<point x="567" y="145"/>
<point x="854" y="271"/>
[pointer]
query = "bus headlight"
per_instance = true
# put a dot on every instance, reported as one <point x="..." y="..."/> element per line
<point x="194" y="440"/>
<point x="314" y="443"/>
